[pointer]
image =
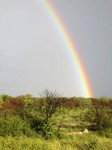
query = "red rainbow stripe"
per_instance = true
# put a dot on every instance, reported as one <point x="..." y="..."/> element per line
<point x="85" y="86"/>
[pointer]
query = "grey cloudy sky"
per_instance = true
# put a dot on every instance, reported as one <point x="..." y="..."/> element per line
<point x="33" y="57"/>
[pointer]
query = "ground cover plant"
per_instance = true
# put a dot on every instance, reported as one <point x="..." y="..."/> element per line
<point x="55" y="122"/>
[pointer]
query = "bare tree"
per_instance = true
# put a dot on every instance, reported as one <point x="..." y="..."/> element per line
<point x="49" y="103"/>
<point x="49" y="120"/>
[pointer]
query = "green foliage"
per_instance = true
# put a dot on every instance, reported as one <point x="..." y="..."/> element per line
<point x="14" y="126"/>
<point x="92" y="143"/>
<point x="54" y="122"/>
<point x="5" y="97"/>
<point x="99" y="114"/>
<point x="85" y="142"/>
<point x="106" y="132"/>
<point x="49" y="108"/>
<point x="1" y="100"/>
<point x="26" y="99"/>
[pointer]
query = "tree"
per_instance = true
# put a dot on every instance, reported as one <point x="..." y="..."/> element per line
<point x="49" y="106"/>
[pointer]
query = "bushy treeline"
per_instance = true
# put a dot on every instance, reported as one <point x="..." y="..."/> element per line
<point x="44" y="116"/>
<point x="100" y="116"/>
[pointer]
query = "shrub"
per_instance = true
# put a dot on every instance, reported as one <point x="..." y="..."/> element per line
<point x="1" y="101"/>
<point x="106" y="133"/>
<point x="5" y="97"/>
<point x="14" y="126"/>
<point x="100" y="114"/>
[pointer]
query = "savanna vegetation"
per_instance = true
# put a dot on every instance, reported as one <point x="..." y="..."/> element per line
<point x="53" y="122"/>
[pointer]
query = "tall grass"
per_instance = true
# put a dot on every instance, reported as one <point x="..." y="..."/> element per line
<point x="76" y="142"/>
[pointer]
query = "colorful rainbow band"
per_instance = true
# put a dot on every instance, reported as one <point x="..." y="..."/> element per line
<point x="86" y="89"/>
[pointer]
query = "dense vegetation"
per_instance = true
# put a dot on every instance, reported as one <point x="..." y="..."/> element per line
<point x="55" y="122"/>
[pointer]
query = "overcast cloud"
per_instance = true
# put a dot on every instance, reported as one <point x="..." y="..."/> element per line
<point x="33" y="57"/>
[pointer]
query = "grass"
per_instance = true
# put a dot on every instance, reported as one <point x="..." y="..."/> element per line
<point x="19" y="130"/>
<point x="76" y="142"/>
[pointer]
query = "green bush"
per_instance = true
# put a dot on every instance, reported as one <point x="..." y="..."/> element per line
<point x="99" y="114"/>
<point x="1" y="100"/>
<point x="5" y="97"/>
<point x="15" y="126"/>
<point x="106" y="133"/>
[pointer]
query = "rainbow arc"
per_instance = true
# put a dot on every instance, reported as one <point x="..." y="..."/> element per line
<point x="86" y="89"/>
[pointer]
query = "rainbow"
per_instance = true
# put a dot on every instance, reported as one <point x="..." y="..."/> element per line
<point x="51" y="10"/>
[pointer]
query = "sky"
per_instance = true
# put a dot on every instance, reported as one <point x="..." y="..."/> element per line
<point x="33" y="56"/>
